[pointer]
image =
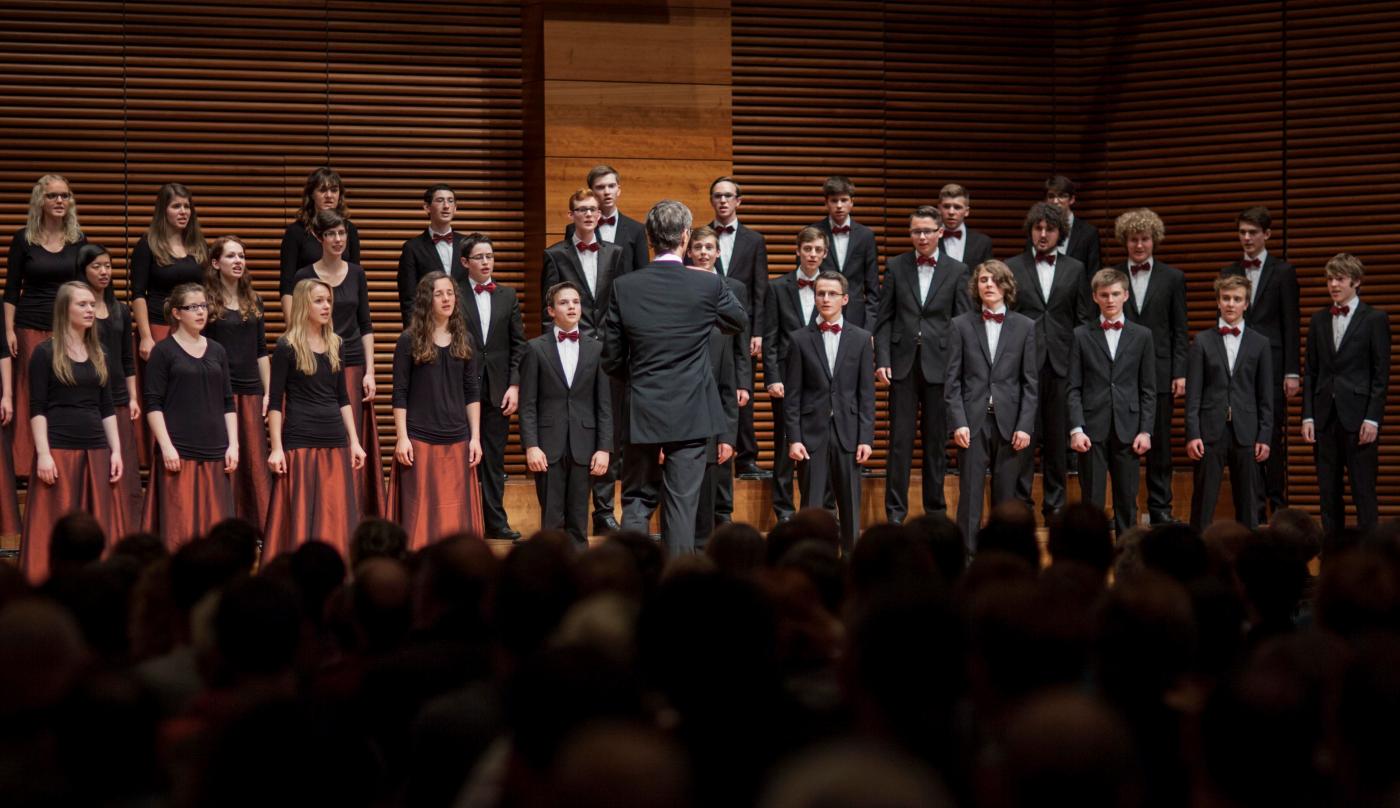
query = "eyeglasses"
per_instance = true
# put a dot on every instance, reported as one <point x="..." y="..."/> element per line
<point x="586" y="211"/>
<point x="194" y="307"/>
<point x="55" y="196"/>
<point x="482" y="257"/>
<point x="922" y="232"/>
<point x="723" y="197"/>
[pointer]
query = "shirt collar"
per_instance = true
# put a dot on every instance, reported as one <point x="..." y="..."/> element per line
<point x="1263" y="256"/>
<point x="804" y="276"/>
<point x="1103" y="319"/>
<point x="558" y="330"/>
<point x="1355" y="299"/>
<point x="840" y="320"/>
<point x="669" y="258"/>
<point x="433" y="232"/>
<point x="850" y="220"/>
<point x="998" y="310"/>
<point x="734" y="223"/>
<point x="1220" y="323"/>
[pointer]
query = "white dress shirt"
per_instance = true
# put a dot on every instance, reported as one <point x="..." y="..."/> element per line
<point x="1045" y="271"/>
<point x="568" y="354"/>
<point x="483" y="309"/>
<point x="832" y="342"/>
<point x="1112" y="335"/>
<point x="840" y="242"/>
<point x="925" y="278"/>
<point x="1139" y="280"/>
<point x="955" y="247"/>
<point x="608" y="232"/>
<point x="1232" y="341"/>
<point x="1253" y="273"/>
<point x="444" y="250"/>
<point x="726" y="244"/>
<point x="993" y="330"/>
<point x="589" y="260"/>
<point x="807" y="296"/>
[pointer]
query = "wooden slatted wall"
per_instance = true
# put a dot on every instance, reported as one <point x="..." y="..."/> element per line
<point x="240" y="101"/>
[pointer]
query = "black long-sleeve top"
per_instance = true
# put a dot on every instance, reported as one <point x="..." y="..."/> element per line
<point x="245" y="342"/>
<point x="300" y="249"/>
<point x="349" y="312"/>
<point x="435" y="394"/>
<point x="115" y="335"/>
<point x="32" y="277"/>
<point x="194" y="394"/>
<point x="74" y="411"/>
<point x="154" y="282"/>
<point x="311" y="404"/>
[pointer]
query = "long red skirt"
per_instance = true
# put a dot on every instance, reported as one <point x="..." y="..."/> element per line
<point x="369" y="483"/>
<point x="9" y="501"/>
<point x="81" y="486"/>
<point x="315" y="499"/>
<point x="144" y="439"/>
<point x="182" y="505"/>
<point x="437" y="496"/>
<point x="131" y="499"/>
<point x="22" y="445"/>
<point x="252" y="482"/>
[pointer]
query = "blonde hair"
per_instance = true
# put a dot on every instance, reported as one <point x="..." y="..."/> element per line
<point x="62" y="365"/>
<point x="159" y="233"/>
<point x="299" y="329"/>
<point x="1108" y="276"/>
<point x="1139" y="220"/>
<point x="34" y="226"/>
<point x="1232" y="282"/>
<point x="1345" y="265"/>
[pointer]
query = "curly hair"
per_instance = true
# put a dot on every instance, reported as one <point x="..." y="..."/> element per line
<point x="420" y="324"/>
<point x="1139" y="220"/>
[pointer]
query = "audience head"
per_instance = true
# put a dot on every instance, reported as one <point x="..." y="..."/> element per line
<point x="377" y="538"/>
<point x="1082" y="532"/>
<point x="77" y="540"/>
<point x="1010" y="529"/>
<point x="1067" y="748"/>
<point x="944" y="542"/>
<point x="1175" y="550"/>
<point x="737" y="548"/>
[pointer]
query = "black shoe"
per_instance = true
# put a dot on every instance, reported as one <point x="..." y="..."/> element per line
<point x="753" y="472"/>
<point x="504" y="534"/>
<point x="1161" y="519"/>
<point x="604" y="524"/>
<point x="866" y="471"/>
<point x="784" y="519"/>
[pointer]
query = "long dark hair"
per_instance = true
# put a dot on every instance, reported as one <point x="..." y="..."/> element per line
<point x="88" y="253"/>
<point x="321" y="177"/>
<point x="420" y="324"/>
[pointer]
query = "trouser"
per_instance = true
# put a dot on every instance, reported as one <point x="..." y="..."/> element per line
<point x="910" y="397"/>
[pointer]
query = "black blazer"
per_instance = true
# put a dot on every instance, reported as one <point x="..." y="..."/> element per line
<point x="722" y="355"/>
<point x="1274" y="312"/>
<point x="557" y="417"/>
<point x="784" y="316"/>
<point x="656" y="338"/>
<point x="748" y="266"/>
<point x="1245" y="396"/>
<point x="1070" y="306"/>
<point x="1164" y="313"/>
<point x="905" y="322"/>
<point x="1011" y="379"/>
<point x="631" y="236"/>
<point x="739" y="342"/>
<point x="561" y="263"/>
<point x="418" y="258"/>
<point x="861" y="271"/>
<point x="505" y="343"/>
<point x="818" y="400"/>
<point x="1121" y="390"/>
<point x="1350" y="380"/>
<point x="978" y="249"/>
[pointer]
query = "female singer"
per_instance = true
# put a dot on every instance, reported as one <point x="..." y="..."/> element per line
<point x="300" y="247"/>
<point x="315" y="449"/>
<point x="352" y="325"/>
<point x="42" y="257"/>
<point x="78" y="458"/>
<point x="114" y="332"/>
<point x="189" y="405"/>
<point x="236" y="322"/>
<point x="9" y="499"/>
<point x="433" y="489"/>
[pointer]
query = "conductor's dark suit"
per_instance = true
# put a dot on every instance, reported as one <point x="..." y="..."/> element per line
<point x="1342" y="387"/>
<point x="656" y="338"/>
<point x="860" y="268"/>
<point x="1163" y="312"/>
<point x="993" y="397"/>
<point x="1112" y="398"/>
<point x="568" y="422"/>
<point x="1229" y="410"/>
<point x="630" y="235"/>
<point x="501" y="351"/>
<point x="748" y="266"/>
<point x="783" y="317"/>
<point x="419" y="257"/>
<point x="911" y="338"/>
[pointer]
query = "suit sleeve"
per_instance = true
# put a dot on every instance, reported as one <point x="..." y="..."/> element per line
<point x="1075" y="384"/>
<point x="549" y="275"/>
<point x="1310" y="369"/>
<point x="1380" y="365"/>
<point x="1147" y="390"/>
<point x="772" y="373"/>
<point x="1180" y="336"/>
<point x="602" y="412"/>
<point x="883" y="320"/>
<point x="725" y="379"/>
<point x="529" y="399"/>
<point x="758" y="289"/>
<point x="865" y="407"/>
<point x="871" y="273"/>
<point x="1288" y="320"/>
<point x="1085" y="311"/>
<point x="640" y="255"/>
<point x="407" y="280"/>
<point x="743" y="367"/>
<point x="1092" y="263"/>
<point x="614" y="339"/>
<point x="517" y="340"/>
<point x="952" y="380"/>
<point x="962" y="301"/>
<point x="792" y="400"/>
<point x="1264" y="394"/>
<point x="729" y="312"/>
<point x="1030" y="385"/>
<point x="1195" y="378"/>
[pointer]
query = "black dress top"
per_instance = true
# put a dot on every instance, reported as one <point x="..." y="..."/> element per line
<point x="300" y="249"/>
<point x="245" y="342"/>
<point x="32" y="277"/>
<point x="194" y="394"/>
<point x="154" y="282"/>
<point x="115" y="335"/>
<point x="74" y="411"/>
<point x="310" y="404"/>
<point x="435" y="395"/>
<point x="349" y="312"/>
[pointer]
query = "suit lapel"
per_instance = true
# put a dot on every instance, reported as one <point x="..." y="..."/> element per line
<point x="1223" y="353"/>
<point x="1266" y="274"/>
<point x="982" y="340"/>
<point x="552" y="350"/>
<point x="577" y="263"/>
<point x="1352" y="326"/>
<point x="938" y="278"/>
<point x="1101" y="339"/>
<point x="473" y="313"/>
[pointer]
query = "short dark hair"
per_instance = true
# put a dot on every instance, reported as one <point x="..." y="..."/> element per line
<point x="600" y="171"/>
<point x="1048" y="213"/>
<point x="377" y="538"/>
<point x="1081" y="532"/>
<point x="726" y="178"/>
<point x="433" y="189"/>
<point x="837" y="277"/>
<point x="1258" y="215"/>
<point x="927" y="212"/>
<point x="1062" y="185"/>
<point x="557" y="288"/>
<point x="838" y="185"/>
<point x="76" y="539"/>
<point x="472" y="239"/>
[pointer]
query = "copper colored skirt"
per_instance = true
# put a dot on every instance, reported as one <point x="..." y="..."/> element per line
<point x="437" y="496"/>
<point x="369" y="483"/>
<point x="315" y="499"/>
<point x="252" y="482"/>
<point x="144" y="439"/>
<point x="81" y="486"/>
<point x="22" y="445"/>
<point x="181" y="505"/>
<point x="9" y="502"/>
<point x="131" y="500"/>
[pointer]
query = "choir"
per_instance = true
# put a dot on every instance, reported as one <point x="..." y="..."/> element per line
<point x="1049" y="356"/>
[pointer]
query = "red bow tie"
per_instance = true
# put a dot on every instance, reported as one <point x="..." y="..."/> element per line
<point x="1045" y="258"/>
<point x="724" y="228"/>
<point x="447" y="237"/>
<point x="608" y="220"/>
<point x="840" y="229"/>
<point x="1341" y="311"/>
<point x="489" y="286"/>
<point x="926" y="261"/>
<point x="1232" y="331"/>
<point x="987" y="315"/>
<point x="834" y="328"/>
<point x="569" y="335"/>
<point x="1112" y="325"/>
<point x="1251" y="263"/>
<point x="1136" y="268"/>
<point x="590" y="247"/>
<point x="953" y="233"/>
<point x="803" y="283"/>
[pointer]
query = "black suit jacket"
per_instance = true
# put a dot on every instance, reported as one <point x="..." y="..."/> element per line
<point x="906" y="322"/>
<point x="656" y="338"/>
<point x="418" y="258"/>
<point x="557" y="417"/>
<point x="784" y="316"/>
<point x="978" y="249"/>
<point x="504" y="345"/>
<point x="1214" y="393"/>
<point x="1069" y="307"/>
<point x="562" y="263"/>
<point x="1349" y="380"/>
<point x="1120" y="390"/>
<point x="861" y="270"/>
<point x="818" y="399"/>
<point x="1274" y="311"/>
<point x="1164" y="313"/>
<point x="631" y="236"/>
<point x="738" y="343"/>
<point x="748" y="266"/>
<point x="722" y="356"/>
<point x="1011" y="379"/>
